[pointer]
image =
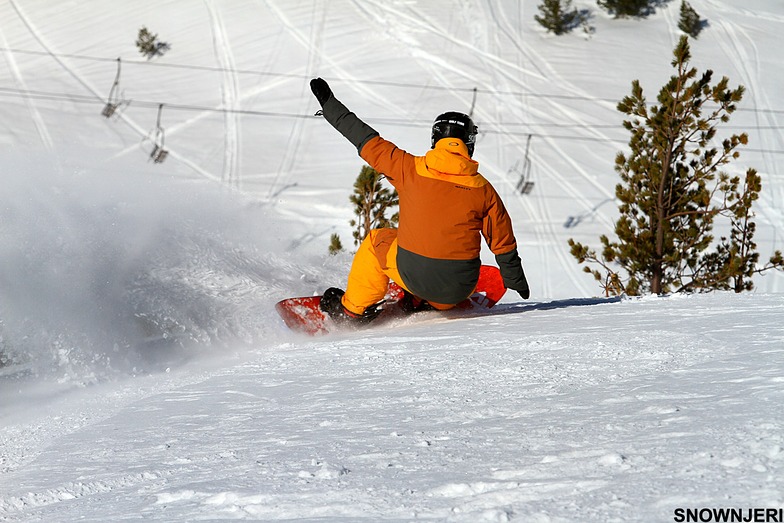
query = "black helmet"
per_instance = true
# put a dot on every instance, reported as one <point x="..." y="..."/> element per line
<point x="455" y="125"/>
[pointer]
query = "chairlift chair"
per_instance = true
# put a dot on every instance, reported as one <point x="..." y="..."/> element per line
<point x="109" y="109"/>
<point x="159" y="154"/>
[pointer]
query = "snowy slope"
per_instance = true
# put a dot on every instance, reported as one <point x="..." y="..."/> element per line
<point x="640" y="407"/>
<point x="151" y="377"/>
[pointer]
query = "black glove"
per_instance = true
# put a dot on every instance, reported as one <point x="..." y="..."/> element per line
<point x="321" y="90"/>
<point x="520" y="285"/>
<point x="513" y="274"/>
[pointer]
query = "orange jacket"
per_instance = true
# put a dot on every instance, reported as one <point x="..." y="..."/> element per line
<point x="446" y="207"/>
<point x="445" y="204"/>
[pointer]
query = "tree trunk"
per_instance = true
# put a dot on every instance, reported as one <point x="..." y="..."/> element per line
<point x="657" y="269"/>
<point x="656" y="278"/>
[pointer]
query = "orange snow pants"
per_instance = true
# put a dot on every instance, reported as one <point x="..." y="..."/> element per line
<point x="374" y="264"/>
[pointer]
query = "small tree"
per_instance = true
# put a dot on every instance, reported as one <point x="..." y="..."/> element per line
<point x="626" y="8"/>
<point x="148" y="44"/>
<point x="689" y="22"/>
<point x="672" y="191"/>
<point x="371" y="202"/>
<point x="558" y="17"/>
<point x="5" y="357"/>
<point x="335" y="245"/>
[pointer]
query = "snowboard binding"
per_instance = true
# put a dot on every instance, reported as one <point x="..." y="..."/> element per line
<point x="332" y="305"/>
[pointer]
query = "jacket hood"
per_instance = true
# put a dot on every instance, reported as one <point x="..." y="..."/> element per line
<point x="450" y="156"/>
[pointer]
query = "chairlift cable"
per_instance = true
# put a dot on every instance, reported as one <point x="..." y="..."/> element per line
<point x="353" y="80"/>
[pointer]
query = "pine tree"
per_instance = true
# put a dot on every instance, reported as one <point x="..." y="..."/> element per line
<point x="558" y="17"/>
<point x="625" y="8"/>
<point x="148" y="44"/>
<point x="689" y="22"/>
<point x="371" y="202"/>
<point x="5" y="353"/>
<point x="335" y="245"/>
<point x="673" y="190"/>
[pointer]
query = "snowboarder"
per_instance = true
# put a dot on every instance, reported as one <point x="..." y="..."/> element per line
<point x="446" y="206"/>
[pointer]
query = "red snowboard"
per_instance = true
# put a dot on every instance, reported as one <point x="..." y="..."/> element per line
<point x="303" y="314"/>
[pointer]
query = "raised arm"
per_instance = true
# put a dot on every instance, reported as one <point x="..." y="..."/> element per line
<point x="347" y="123"/>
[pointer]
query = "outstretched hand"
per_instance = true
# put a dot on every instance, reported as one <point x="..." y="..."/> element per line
<point x="321" y="90"/>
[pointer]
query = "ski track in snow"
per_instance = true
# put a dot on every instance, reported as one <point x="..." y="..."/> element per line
<point x="38" y="121"/>
<point x="36" y="34"/>
<point x="749" y="67"/>
<point x="730" y="11"/>
<point x="418" y="20"/>
<point x="230" y="92"/>
<point x="295" y="138"/>
<point x="89" y="87"/>
<point x="289" y="154"/>
<point x="326" y="62"/>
